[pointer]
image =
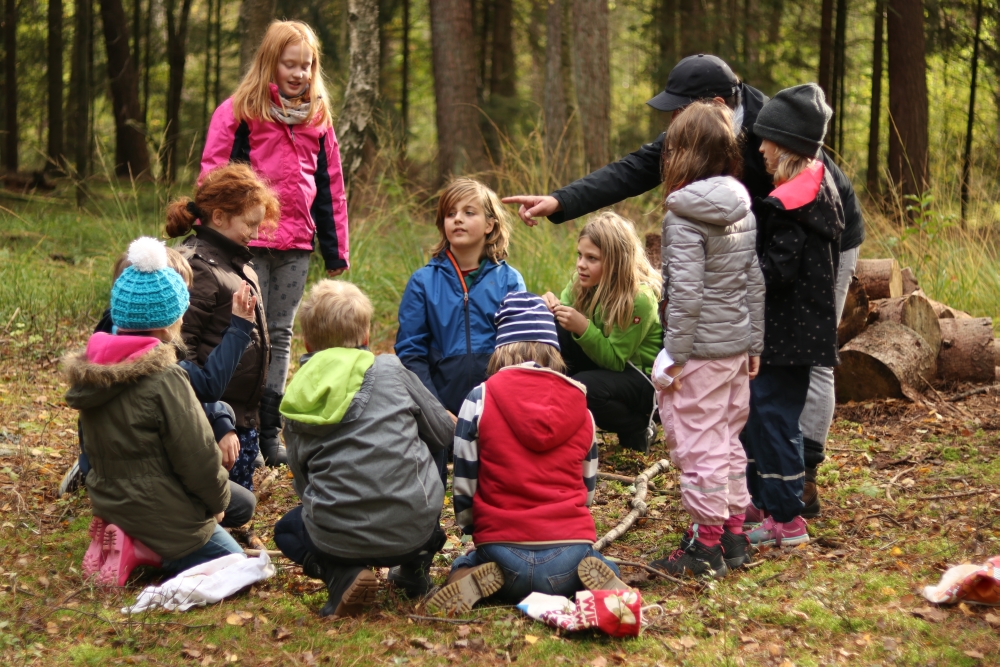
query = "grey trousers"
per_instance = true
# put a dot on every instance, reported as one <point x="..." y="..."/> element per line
<point x="282" y="276"/>
<point x="820" y="402"/>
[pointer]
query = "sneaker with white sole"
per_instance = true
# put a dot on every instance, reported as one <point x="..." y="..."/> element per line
<point x="773" y="533"/>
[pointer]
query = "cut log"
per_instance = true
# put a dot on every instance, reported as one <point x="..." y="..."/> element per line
<point x="967" y="350"/>
<point x="888" y="360"/>
<point x="943" y="311"/>
<point x="653" y="249"/>
<point x="854" y="319"/>
<point x="996" y="351"/>
<point x="910" y="284"/>
<point x="881" y="278"/>
<point x="913" y="311"/>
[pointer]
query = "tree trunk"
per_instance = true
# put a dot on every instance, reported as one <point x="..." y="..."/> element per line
<point x="255" y="16"/>
<point x="835" y="132"/>
<point x="914" y="311"/>
<point x="131" y="154"/>
<point x="404" y="88"/>
<point x="176" y="57"/>
<point x="854" y="319"/>
<point x="967" y="353"/>
<point x="592" y="76"/>
<point x="880" y="277"/>
<point x="554" y="102"/>
<point x="875" y="117"/>
<point x="362" y="86"/>
<point x="694" y="36"/>
<point x="825" y="75"/>
<point x="208" y="64"/>
<point x="907" y="97"/>
<point x="460" y="145"/>
<point x="10" y="86"/>
<point x="888" y="360"/>
<point x="146" y="60"/>
<point x="665" y="34"/>
<point x="78" y="119"/>
<point x="54" y="75"/>
<point x="218" y="52"/>
<point x="503" y="75"/>
<point x="967" y="156"/>
<point x="943" y="311"/>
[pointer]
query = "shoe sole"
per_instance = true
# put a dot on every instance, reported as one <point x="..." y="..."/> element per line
<point x="95" y="556"/>
<point x="785" y="541"/>
<point x="361" y="592"/>
<point x="460" y="596"/>
<point x="596" y="575"/>
<point x="114" y="544"/>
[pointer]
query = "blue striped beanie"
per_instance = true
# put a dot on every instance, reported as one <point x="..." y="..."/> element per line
<point x="524" y="318"/>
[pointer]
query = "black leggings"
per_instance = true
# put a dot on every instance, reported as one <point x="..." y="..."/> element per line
<point x="621" y="401"/>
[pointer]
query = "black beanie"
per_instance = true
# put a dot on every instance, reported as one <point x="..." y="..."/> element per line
<point x="796" y="119"/>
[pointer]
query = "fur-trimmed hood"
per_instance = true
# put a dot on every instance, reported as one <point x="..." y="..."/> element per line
<point x="110" y="363"/>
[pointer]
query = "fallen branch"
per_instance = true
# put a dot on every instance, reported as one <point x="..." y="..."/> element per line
<point x="972" y="392"/>
<point x="452" y="621"/>
<point x="618" y="478"/>
<point x="974" y="492"/>
<point x="266" y="483"/>
<point x="270" y="552"/>
<point x="638" y="504"/>
<point x="652" y="570"/>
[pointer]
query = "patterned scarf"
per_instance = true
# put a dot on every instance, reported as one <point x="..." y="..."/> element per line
<point x="294" y="110"/>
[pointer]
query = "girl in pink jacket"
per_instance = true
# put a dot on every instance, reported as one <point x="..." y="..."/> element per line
<point x="279" y="122"/>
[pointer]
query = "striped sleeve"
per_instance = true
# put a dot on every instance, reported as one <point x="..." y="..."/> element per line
<point x="590" y="467"/>
<point x="467" y="457"/>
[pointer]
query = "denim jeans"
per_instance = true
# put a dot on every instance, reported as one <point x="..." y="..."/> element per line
<point x="219" y="544"/>
<point x="528" y="569"/>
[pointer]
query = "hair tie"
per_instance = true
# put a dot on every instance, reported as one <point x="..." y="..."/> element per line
<point x="193" y="209"/>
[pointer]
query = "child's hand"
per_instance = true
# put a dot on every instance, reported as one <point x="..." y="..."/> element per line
<point x="674" y="371"/>
<point x="754" y="367"/>
<point x="571" y="319"/>
<point x="230" y="446"/>
<point x="333" y="273"/>
<point x="551" y="301"/>
<point x="219" y="517"/>
<point x="244" y="302"/>
<point x="454" y="419"/>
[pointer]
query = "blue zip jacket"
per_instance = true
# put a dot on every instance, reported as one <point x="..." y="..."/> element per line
<point x="446" y="339"/>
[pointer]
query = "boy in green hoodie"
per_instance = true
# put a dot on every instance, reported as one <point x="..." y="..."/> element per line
<point x="360" y="432"/>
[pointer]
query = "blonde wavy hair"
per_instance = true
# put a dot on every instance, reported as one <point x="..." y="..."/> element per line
<point x="625" y="270"/>
<point x="456" y="192"/>
<point x="790" y="164"/>
<point x="252" y="99"/>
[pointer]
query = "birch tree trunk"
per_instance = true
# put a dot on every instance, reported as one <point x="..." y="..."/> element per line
<point x="592" y="74"/>
<point x="362" y="86"/>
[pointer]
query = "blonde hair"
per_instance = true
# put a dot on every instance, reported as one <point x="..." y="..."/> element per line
<point x="252" y="99"/>
<point x="513" y="354"/>
<point x="625" y="270"/>
<point x="700" y="143"/>
<point x="335" y="314"/>
<point x="790" y="164"/>
<point x="175" y="261"/>
<point x="460" y="189"/>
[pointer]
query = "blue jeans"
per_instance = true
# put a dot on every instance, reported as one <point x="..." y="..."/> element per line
<point x="219" y="544"/>
<point x="527" y="569"/>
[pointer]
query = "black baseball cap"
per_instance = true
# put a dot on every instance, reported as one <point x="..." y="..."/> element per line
<point x="695" y="78"/>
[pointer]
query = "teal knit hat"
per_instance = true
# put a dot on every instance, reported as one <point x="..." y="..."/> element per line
<point x="148" y="294"/>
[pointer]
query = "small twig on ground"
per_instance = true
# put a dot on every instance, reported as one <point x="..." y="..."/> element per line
<point x="638" y="504"/>
<point x="270" y="552"/>
<point x="17" y="311"/>
<point x="901" y="473"/>
<point x="884" y="515"/>
<point x="625" y="479"/>
<point x="453" y="621"/>
<point x="972" y="392"/>
<point x="651" y="570"/>
<point x="886" y="546"/>
<point x="963" y="494"/>
<point x="264" y="486"/>
<point x="855" y="450"/>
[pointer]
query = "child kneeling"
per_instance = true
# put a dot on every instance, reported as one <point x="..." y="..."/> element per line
<point x="525" y="472"/>
<point x="361" y="432"/>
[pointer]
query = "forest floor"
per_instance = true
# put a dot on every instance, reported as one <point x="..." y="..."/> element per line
<point x="908" y="490"/>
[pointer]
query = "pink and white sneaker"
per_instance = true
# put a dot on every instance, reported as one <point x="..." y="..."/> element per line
<point x="772" y="533"/>
<point x="123" y="555"/>
<point x="95" y="556"/>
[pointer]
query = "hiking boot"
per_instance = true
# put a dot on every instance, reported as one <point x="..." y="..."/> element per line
<point x="773" y="533"/>
<point x="412" y="577"/>
<point x="461" y="594"/>
<point x="696" y="560"/>
<point x="349" y="588"/>
<point x="597" y="575"/>
<point x="270" y="430"/>
<point x="810" y="495"/>
<point x="736" y="549"/>
<point x="753" y="516"/>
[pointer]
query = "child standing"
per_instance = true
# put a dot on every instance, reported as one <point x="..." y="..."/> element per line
<point x="230" y="204"/>
<point x="798" y="244"/>
<point x="360" y="433"/>
<point x="278" y="121"/>
<point x="446" y="331"/>
<point x="609" y="332"/>
<point x="525" y="472"/>
<point x="714" y="317"/>
<point x="156" y="475"/>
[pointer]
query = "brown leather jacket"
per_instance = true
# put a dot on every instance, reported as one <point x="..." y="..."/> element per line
<point x="219" y="266"/>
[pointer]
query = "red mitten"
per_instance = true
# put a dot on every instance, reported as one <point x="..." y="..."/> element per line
<point x="617" y="613"/>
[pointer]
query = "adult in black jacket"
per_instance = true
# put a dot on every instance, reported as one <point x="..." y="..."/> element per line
<point x="707" y="77"/>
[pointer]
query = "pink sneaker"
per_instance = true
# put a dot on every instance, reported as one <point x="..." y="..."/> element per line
<point x="124" y="554"/>
<point x="772" y="533"/>
<point x="754" y="515"/>
<point x="95" y="556"/>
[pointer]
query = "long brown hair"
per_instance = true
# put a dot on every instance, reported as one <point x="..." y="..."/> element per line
<point x="514" y="354"/>
<point x="700" y="143"/>
<point x="460" y="189"/>
<point x="233" y="188"/>
<point x="252" y="99"/>
<point x="790" y="164"/>
<point x="625" y="270"/>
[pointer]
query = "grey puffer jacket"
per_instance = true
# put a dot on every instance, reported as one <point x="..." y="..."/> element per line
<point x="711" y="280"/>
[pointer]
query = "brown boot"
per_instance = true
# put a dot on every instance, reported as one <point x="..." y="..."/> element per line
<point x="810" y="495"/>
<point x="466" y="586"/>
<point x="596" y="575"/>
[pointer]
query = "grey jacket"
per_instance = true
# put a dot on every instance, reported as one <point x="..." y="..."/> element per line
<point x="368" y="484"/>
<point x="711" y="280"/>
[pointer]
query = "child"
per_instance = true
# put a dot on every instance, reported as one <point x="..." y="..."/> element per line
<point x="525" y="472"/>
<point x="798" y="246"/>
<point x="231" y="203"/>
<point x="609" y="332"/>
<point x="446" y="332"/>
<point x="156" y="473"/>
<point x="714" y="316"/>
<point x="279" y="123"/>
<point x="360" y="432"/>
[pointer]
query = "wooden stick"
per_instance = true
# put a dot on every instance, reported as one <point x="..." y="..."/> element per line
<point x="972" y="392"/>
<point x="270" y="552"/>
<point x="266" y="483"/>
<point x="618" y="478"/>
<point x="652" y="570"/>
<point x="638" y="504"/>
<point x="974" y="492"/>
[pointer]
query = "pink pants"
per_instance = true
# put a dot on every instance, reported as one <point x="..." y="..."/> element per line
<point x="702" y="422"/>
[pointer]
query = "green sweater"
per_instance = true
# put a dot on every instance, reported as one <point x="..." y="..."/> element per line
<point x="639" y="343"/>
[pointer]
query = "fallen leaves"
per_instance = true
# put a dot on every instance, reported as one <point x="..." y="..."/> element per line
<point x="238" y="618"/>
<point x="932" y="614"/>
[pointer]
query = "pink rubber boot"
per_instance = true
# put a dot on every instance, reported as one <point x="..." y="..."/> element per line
<point x="95" y="556"/>
<point x="124" y="554"/>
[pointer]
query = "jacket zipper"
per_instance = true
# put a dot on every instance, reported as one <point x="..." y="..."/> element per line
<point x="465" y="294"/>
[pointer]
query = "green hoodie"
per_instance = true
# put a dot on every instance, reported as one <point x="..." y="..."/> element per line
<point x="323" y="389"/>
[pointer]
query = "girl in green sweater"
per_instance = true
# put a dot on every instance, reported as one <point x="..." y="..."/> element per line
<point x="608" y="327"/>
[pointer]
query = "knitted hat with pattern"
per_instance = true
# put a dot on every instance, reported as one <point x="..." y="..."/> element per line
<point x="524" y="318"/>
<point x="148" y="294"/>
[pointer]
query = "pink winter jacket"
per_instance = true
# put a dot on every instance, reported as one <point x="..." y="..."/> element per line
<point x="302" y="164"/>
